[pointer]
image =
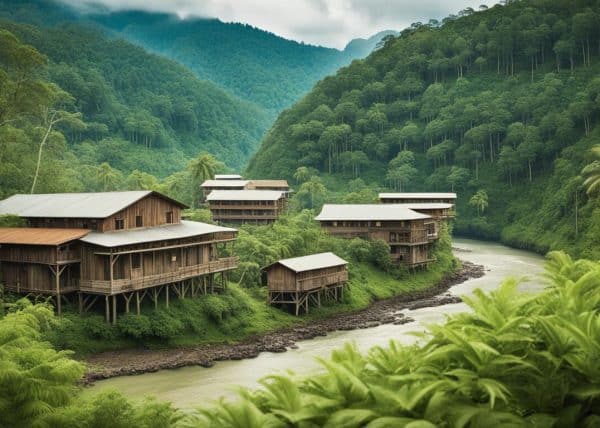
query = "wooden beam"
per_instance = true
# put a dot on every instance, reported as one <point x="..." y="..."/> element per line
<point x="114" y="308"/>
<point x="107" y="309"/>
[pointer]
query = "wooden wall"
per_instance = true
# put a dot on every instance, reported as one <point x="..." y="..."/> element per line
<point x="280" y="278"/>
<point x="152" y="208"/>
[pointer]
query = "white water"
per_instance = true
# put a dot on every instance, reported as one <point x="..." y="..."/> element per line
<point x="193" y="386"/>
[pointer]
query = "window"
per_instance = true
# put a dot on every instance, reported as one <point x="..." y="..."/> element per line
<point x="169" y="216"/>
<point x="136" y="261"/>
<point x="94" y="225"/>
<point x="119" y="224"/>
<point x="139" y="221"/>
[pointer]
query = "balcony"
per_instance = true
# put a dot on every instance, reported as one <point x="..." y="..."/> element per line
<point x="182" y="273"/>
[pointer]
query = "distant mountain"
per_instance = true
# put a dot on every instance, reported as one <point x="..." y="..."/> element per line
<point x="144" y="111"/>
<point x="254" y="64"/>
<point x="360" y="48"/>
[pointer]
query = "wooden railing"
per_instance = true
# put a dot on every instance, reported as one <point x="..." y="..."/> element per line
<point x="186" y="272"/>
<point x="241" y="216"/>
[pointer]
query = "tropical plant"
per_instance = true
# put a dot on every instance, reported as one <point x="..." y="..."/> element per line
<point x="480" y="201"/>
<point x="515" y="359"/>
<point x="592" y="172"/>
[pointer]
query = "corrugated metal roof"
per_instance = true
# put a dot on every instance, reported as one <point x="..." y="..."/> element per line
<point x="365" y="212"/>
<point x="225" y="183"/>
<point x="39" y="235"/>
<point x="185" y="229"/>
<point x="74" y="205"/>
<point x="268" y="183"/>
<point x="417" y="196"/>
<point x="245" y="195"/>
<point x="313" y="261"/>
<point x="428" y="205"/>
<point x="228" y="177"/>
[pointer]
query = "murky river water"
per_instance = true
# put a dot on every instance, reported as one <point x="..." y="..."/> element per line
<point x="192" y="386"/>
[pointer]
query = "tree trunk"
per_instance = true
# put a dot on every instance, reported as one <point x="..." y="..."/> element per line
<point x="530" y="175"/>
<point x="39" y="157"/>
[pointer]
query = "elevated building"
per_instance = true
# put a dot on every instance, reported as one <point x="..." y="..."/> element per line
<point x="228" y="177"/>
<point x="412" y="198"/>
<point x="409" y="234"/>
<point x="300" y="281"/>
<point x="246" y="206"/>
<point x="114" y="246"/>
<point x="437" y="210"/>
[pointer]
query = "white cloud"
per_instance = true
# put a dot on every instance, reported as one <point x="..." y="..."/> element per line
<point x="322" y="22"/>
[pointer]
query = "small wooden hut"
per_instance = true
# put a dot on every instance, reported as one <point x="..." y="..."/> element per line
<point x="302" y="280"/>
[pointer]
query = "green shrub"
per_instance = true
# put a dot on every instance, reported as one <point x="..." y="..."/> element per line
<point x="164" y="325"/>
<point x="97" y="327"/>
<point x="135" y="326"/>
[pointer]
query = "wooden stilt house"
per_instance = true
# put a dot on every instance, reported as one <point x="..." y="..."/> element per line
<point x="113" y="246"/>
<point x="405" y="230"/>
<point x="246" y="206"/>
<point x="415" y="198"/>
<point x="300" y="281"/>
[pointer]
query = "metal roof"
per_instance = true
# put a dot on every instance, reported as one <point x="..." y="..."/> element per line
<point x="39" y="235"/>
<point x="313" y="261"/>
<point x="428" y="205"/>
<point x="185" y="229"/>
<point x="361" y="212"/>
<point x="74" y="205"/>
<point x="417" y="196"/>
<point x="268" y="183"/>
<point x="245" y="195"/>
<point x="228" y="177"/>
<point x="225" y="183"/>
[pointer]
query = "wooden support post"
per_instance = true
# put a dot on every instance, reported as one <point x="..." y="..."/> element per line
<point x="80" y="298"/>
<point x="167" y="295"/>
<point x="114" y="309"/>
<point x="137" y="302"/>
<point x="127" y="300"/>
<point x="296" y="302"/>
<point x="107" y="309"/>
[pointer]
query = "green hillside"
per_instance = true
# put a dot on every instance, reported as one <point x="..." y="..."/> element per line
<point x="140" y="111"/>
<point x="253" y="64"/>
<point x="503" y="101"/>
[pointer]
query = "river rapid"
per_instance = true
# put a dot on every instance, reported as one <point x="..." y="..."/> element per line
<point x="193" y="386"/>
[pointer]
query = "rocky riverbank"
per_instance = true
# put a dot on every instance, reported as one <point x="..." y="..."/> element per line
<point x="137" y="361"/>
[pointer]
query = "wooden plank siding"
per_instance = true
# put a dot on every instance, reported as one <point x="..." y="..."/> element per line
<point x="247" y="211"/>
<point x="281" y="278"/>
<point x="152" y="208"/>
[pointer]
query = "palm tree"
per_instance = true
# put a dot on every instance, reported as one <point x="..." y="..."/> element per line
<point x="480" y="201"/>
<point x="203" y="167"/>
<point x="592" y="172"/>
<point x="107" y="176"/>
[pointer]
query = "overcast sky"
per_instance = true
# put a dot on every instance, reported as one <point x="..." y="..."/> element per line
<point x="323" y="22"/>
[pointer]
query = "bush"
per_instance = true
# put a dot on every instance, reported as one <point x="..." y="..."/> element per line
<point x="135" y="326"/>
<point x="164" y="325"/>
<point x="97" y="327"/>
<point x="247" y="274"/>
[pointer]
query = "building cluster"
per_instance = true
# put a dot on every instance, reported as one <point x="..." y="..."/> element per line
<point x="113" y="249"/>
<point x="234" y="200"/>
<point x="116" y="249"/>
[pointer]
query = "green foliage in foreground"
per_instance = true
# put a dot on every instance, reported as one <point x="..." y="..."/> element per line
<point x="515" y="360"/>
<point x="241" y="310"/>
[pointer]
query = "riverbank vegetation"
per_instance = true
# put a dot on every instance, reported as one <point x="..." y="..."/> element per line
<point x="242" y="310"/>
<point x="514" y="360"/>
<point x="504" y="100"/>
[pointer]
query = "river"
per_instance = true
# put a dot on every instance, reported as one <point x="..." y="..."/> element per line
<point x="192" y="386"/>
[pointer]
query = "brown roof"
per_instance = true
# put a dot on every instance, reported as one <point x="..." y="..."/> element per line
<point x="39" y="235"/>
<point x="267" y="183"/>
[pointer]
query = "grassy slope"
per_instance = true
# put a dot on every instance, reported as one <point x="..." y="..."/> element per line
<point x="239" y="312"/>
